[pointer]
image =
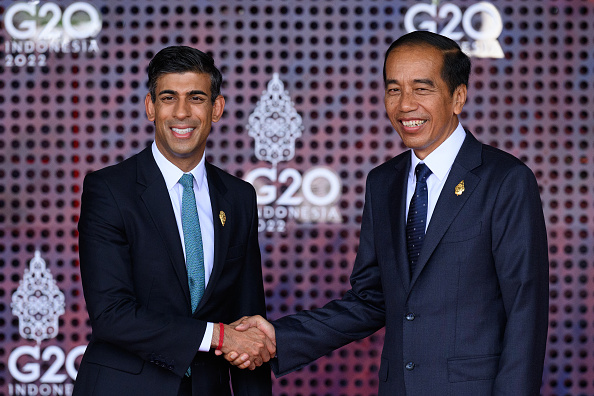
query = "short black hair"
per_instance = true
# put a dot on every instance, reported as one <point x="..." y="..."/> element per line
<point x="182" y="59"/>
<point x="456" y="64"/>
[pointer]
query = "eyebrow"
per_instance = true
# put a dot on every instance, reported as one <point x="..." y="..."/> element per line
<point x="172" y="92"/>
<point x="425" y="81"/>
<point x="197" y="92"/>
<point x="417" y="81"/>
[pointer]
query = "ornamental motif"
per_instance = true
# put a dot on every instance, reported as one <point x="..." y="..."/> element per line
<point x="38" y="302"/>
<point x="275" y="124"/>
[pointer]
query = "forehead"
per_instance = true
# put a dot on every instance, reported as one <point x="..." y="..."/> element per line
<point x="414" y="61"/>
<point x="182" y="82"/>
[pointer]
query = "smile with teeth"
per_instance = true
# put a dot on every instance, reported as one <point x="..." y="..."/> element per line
<point x="414" y="123"/>
<point x="183" y="131"/>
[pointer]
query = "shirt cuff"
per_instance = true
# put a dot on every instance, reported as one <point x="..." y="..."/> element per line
<point x="205" y="344"/>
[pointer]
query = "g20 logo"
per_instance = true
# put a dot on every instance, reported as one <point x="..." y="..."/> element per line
<point x="267" y="194"/>
<point x="25" y="21"/>
<point x="289" y="194"/>
<point x="481" y="22"/>
<point x="37" y="29"/>
<point x="32" y="370"/>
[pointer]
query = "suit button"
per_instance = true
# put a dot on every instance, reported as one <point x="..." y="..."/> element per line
<point x="410" y="366"/>
<point x="410" y="316"/>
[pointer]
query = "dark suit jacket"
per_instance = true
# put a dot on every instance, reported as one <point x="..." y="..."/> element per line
<point x="136" y="287"/>
<point x="473" y="318"/>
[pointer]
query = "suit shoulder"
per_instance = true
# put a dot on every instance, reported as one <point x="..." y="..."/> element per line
<point x="502" y="168"/>
<point x="502" y="160"/>
<point x="228" y="179"/>
<point x="123" y="170"/>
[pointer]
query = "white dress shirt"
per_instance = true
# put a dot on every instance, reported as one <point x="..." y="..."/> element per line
<point x="440" y="162"/>
<point x="172" y="174"/>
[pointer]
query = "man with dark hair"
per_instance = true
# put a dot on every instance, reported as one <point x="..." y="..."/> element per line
<point x="181" y="59"/>
<point x="452" y="257"/>
<point x="169" y="252"/>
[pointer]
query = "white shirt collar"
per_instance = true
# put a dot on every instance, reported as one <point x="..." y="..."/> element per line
<point x="442" y="158"/>
<point x="172" y="173"/>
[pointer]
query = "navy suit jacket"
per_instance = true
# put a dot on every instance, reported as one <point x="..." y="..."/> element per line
<point x="472" y="319"/>
<point x="136" y="287"/>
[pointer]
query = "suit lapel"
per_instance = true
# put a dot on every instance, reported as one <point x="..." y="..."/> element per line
<point x="449" y="204"/>
<point x="153" y="192"/>
<point x="219" y="202"/>
<point x="397" y="209"/>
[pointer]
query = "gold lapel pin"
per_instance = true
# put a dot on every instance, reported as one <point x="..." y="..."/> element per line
<point x="223" y="217"/>
<point x="459" y="188"/>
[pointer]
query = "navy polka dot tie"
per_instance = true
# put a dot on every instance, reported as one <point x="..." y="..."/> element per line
<point x="417" y="217"/>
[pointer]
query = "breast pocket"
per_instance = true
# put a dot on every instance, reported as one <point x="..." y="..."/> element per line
<point x="235" y="252"/>
<point x="462" y="234"/>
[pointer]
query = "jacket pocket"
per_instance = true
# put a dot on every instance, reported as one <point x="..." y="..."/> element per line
<point x="461" y="235"/>
<point x="473" y="368"/>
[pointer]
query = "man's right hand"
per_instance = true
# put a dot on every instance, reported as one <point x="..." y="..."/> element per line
<point x="249" y="327"/>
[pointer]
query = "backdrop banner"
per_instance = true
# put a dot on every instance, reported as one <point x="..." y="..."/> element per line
<point x="304" y="123"/>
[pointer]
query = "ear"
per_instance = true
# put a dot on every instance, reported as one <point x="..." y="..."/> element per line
<point x="217" y="108"/>
<point x="460" y="98"/>
<point x="150" y="108"/>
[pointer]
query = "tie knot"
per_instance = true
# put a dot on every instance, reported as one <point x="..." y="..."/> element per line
<point x="422" y="171"/>
<point x="187" y="180"/>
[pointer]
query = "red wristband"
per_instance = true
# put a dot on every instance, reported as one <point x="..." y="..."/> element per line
<point x="221" y="336"/>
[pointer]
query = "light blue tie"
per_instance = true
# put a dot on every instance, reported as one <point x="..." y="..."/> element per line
<point x="192" y="241"/>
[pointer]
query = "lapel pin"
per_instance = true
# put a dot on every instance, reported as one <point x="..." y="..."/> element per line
<point x="459" y="188"/>
<point x="223" y="217"/>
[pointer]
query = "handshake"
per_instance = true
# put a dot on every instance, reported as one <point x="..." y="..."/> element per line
<point x="248" y="342"/>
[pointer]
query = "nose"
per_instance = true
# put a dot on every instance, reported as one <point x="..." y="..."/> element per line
<point x="407" y="101"/>
<point x="181" y="110"/>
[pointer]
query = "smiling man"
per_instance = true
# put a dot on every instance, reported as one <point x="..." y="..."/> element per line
<point x="452" y="258"/>
<point x="169" y="252"/>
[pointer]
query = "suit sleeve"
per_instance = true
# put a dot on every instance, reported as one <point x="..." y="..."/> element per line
<point x="257" y="382"/>
<point x="520" y="253"/>
<point x="110" y="293"/>
<point x="304" y="337"/>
